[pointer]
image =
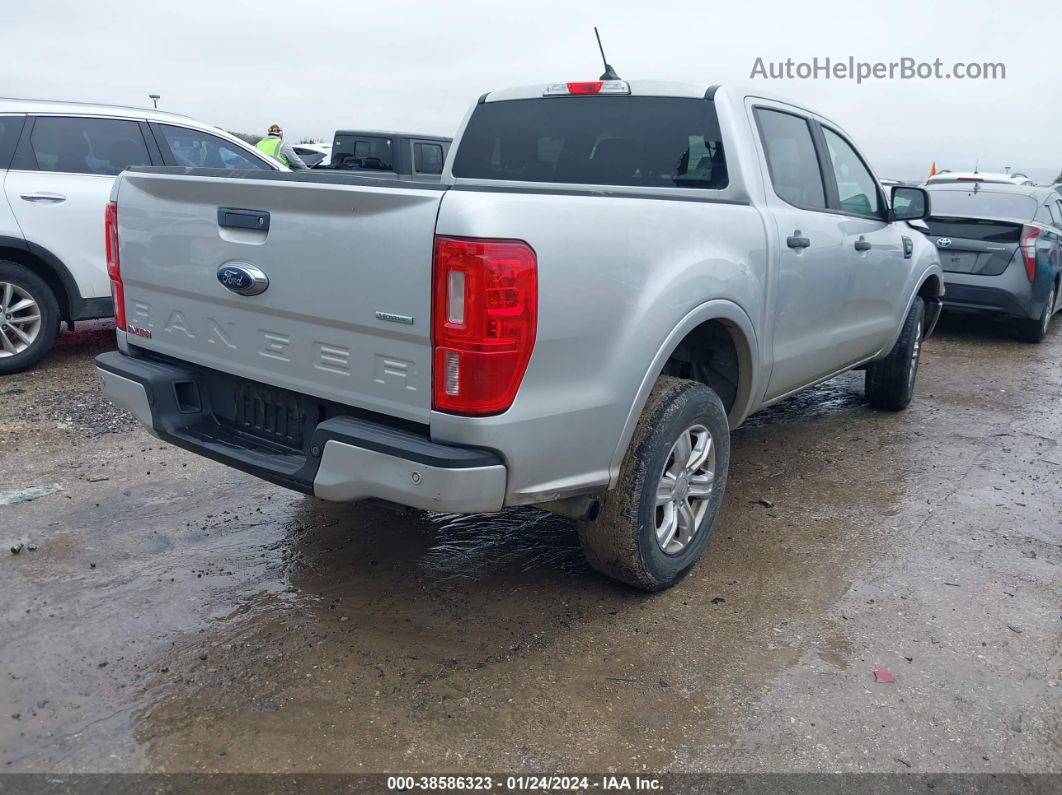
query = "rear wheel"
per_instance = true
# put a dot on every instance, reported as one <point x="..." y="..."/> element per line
<point x="890" y="381"/>
<point x="653" y="526"/>
<point x="1035" y="330"/>
<point x="29" y="318"/>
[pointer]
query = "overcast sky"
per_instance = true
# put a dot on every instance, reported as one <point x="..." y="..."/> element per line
<point x="417" y="66"/>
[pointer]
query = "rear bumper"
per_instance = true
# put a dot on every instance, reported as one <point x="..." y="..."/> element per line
<point x="1009" y="293"/>
<point x="975" y="298"/>
<point x="347" y="458"/>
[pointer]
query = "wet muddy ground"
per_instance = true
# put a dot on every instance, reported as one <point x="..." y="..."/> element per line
<point x="168" y="614"/>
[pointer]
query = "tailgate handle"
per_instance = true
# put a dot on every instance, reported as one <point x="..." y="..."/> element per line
<point x="235" y="218"/>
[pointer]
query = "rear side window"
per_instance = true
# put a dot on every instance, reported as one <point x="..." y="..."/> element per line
<point x="645" y="142"/>
<point x="428" y="158"/>
<point x="87" y="145"/>
<point x="200" y="149"/>
<point x="857" y="189"/>
<point x="1052" y="210"/>
<point x="791" y="158"/>
<point x="10" y="127"/>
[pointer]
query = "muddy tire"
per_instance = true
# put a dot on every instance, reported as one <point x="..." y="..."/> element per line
<point x="890" y="382"/>
<point x="29" y="318"/>
<point x="1035" y="330"/>
<point x="653" y="526"/>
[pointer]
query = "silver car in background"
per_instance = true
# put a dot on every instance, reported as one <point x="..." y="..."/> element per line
<point x="1001" y="250"/>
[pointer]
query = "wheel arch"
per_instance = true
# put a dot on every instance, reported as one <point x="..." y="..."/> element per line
<point x="931" y="289"/>
<point x="707" y="323"/>
<point x="48" y="267"/>
<point x="932" y="286"/>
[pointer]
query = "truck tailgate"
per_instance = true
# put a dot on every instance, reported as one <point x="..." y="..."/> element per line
<point x="346" y="314"/>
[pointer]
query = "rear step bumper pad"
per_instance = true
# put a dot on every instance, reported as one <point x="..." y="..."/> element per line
<point x="348" y="473"/>
<point x="358" y="459"/>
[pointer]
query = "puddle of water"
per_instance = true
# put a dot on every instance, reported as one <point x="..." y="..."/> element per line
<point x="834" y="398"/>
<point x="518" y="540"/>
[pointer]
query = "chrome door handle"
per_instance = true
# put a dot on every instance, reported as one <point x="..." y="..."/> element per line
<point x="43" y="197"/>
<point x="862" y="244"/>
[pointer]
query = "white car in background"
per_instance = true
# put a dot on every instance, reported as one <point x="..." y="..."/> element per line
<point x="948" y="177"/>
<point x="314" y="154"/>
<point x="58" y="161"/>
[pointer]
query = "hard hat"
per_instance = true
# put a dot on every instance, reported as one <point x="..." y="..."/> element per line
<point x="274" y="129"/>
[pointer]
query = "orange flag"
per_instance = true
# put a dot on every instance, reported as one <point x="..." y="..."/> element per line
<point x="933" y="169"/>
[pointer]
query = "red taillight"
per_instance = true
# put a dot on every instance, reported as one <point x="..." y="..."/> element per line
<point x="114" y="268"/>
<point x="484" y="315"/>
<point x="1028" y="249"/>
<point x="593" y="87"/>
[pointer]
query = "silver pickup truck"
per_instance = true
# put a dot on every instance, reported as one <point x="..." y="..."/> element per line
<point x="609" y="278"/>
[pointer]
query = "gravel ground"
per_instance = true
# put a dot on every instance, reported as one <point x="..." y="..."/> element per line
<point x="165" y="613"/>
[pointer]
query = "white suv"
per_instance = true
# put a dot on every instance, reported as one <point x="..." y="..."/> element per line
<point x="57" y="163"/>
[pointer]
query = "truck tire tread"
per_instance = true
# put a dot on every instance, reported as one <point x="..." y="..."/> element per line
<point x="890" y="381"/>
<point x="616" y="543"/>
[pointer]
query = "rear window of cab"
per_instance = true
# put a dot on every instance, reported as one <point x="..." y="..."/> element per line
<point x="642" y="142"/>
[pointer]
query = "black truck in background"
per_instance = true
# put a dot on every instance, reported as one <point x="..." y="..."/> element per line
<point x="389" y="155"/>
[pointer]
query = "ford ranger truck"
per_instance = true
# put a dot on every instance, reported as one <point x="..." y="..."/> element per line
<point x="608" y="279"/>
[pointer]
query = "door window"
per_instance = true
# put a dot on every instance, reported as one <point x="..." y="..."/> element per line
<point x="857" y="189"/>
<point x="87" y="145"/>
<point x="199" y="149"/>
<point x="791" y="159"/>
<point x="428" y="158"/>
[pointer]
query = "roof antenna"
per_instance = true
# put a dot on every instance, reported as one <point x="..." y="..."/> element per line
<point x="977" y="163"/>
<point x="610" y="73"/>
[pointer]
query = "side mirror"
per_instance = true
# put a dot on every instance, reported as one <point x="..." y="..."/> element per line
<point x="909" y="204"/>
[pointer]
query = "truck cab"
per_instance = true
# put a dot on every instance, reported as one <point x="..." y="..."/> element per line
<point x="389" y="155"/>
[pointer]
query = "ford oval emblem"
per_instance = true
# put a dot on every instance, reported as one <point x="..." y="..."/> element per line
<point x="243" y="278"/>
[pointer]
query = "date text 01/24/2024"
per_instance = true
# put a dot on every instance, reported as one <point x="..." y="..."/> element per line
<point x="525" y="783"/>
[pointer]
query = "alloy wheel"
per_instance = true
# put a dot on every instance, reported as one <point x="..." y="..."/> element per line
<point x="684" y="489"/>
<point x="20" y="319"/>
